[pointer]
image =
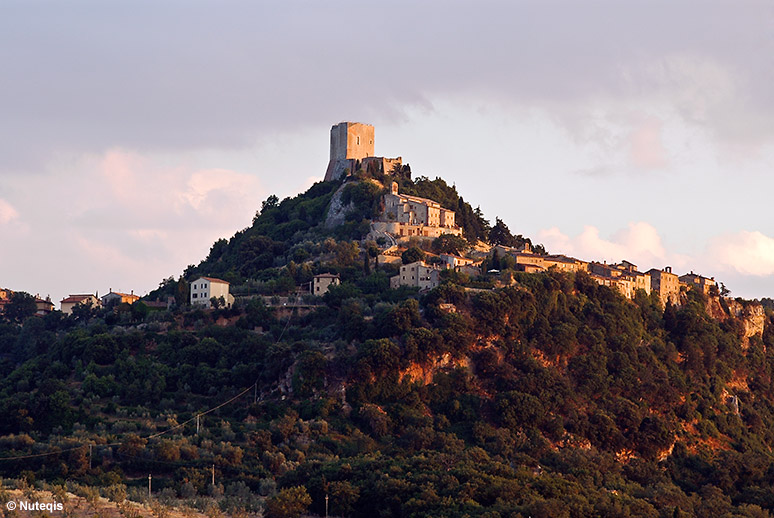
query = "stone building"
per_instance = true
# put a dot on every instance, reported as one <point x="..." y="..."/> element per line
<point x="530" y="262"/>
<point x="407" y="216"/>
<point x="666" y="284"/>
<point x="323" y="281"/>
<point x="43" y="306"/>
<point x="624" y="277"/>
<point x="703" y="284"/>
<point x="417" y="274"/>
<point x="115" y="297"/>
<point x="353" y="142"/>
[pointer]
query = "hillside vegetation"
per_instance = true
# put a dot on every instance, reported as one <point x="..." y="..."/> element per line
<point x="550" y="397"/>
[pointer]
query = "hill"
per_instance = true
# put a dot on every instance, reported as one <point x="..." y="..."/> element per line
<point x="519" y="394"/>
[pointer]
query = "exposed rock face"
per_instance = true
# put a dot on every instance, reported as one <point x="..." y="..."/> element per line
<point x="752" y="316"/>
<point x="337" y="211"/>
<point x="425" y="373"/>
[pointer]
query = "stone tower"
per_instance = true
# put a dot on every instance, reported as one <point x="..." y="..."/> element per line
<point x="350" y="141"/>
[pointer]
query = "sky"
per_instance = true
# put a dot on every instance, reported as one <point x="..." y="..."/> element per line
<point x="135" y="134"/>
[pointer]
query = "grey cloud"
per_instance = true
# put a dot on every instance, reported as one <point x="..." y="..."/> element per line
<point x="82" y="76"/>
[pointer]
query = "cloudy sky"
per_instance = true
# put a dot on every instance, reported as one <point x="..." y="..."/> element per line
<point x="134" y="134"/>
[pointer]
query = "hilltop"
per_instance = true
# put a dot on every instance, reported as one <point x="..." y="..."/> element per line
<point x="497" y="390"/>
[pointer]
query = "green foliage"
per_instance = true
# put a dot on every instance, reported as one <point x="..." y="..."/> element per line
<point x="449" y="244"/>
<point x="412" y="255"/>
<point x="552" y="397"/>
<point x="288" y="503"/>
<point x="20" y="307"/>
<point x="472" y="222"/>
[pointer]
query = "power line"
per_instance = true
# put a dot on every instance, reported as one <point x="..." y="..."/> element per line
<point x="254" y="386"/>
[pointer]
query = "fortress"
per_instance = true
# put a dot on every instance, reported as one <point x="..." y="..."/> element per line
<point x="352" y="145"/>
<point x="403" y="216"/>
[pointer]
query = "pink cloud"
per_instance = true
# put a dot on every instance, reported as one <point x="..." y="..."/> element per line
<point x="747" y="253"/>
<point x="646" y="147"/>
<point x="639" y="243"/>
<point x="123" y="219"/>
<point x="7" y="212"/>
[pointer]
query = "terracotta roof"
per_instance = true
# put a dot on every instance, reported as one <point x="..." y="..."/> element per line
<point x="121" y="294"/>
<point x="327" y="276"/>
<point x="213" y="279"/>
<point x="77" y="298"/>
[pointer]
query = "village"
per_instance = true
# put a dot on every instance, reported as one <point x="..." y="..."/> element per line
<point x="406" y="221"/>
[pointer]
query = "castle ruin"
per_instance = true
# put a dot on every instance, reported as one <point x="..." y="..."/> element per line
<point x="352" y="147"/>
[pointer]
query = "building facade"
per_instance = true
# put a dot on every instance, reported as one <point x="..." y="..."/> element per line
<point x="205" y="288"/>
<point x="67" y="304"/>
<point x="416" y="274"/>
<point x="321" y="283"/>
<point x="407" y="216"/>
<point x="115" y="297"/>
<point x="353" y="143"/>
<point x="696" y="281"/>
<point x="666" y="284"/>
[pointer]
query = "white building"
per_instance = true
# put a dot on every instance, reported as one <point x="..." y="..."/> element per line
<point x="205" y="288"/>
<point x="71" y="301"/>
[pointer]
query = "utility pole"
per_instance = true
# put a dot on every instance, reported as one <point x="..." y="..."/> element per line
<point x="149" y="486"/>
<point x="197" y="423"/>
<point x="326" y="505"/>
<point x="213" y="475"/>
<point x="90" y="456"/>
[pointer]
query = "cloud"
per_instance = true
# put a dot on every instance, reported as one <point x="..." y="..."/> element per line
<point x="7" y="212"/>
<point x="123" y="218"/>
<point x="647" y="150"/>
<point x="639" y="243"/>
<point x="256" y="69"/>
<point x="746" y="253"/>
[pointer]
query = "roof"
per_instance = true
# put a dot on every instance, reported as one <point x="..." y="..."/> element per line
<point x="213" y="279"/>
<point x="326" y="276"/>
<point x="77" y="298"/>
<point x="560" y="259"/>
<point x="660" y="271"/>
<point x="455" y="256"/>
<point x="120" y="294"/>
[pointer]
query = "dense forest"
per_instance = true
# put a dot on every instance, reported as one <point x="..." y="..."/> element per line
<point x="511" y="395"/>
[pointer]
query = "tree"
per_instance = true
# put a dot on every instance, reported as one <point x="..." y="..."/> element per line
<point x="269" y="203"/>
<point x="412" y="255"/>
<point x="139" y="311"/>
<point x="501" y="234"/>
<point x="449" y="244"/>
<point x="288" y="503"/>
<point x="21" y="306"/>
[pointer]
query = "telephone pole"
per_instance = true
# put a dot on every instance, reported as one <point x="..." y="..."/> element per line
<point x="149" y="486"/>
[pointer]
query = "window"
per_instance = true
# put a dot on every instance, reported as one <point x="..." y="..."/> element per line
<point x="358" y="140"/>
<point x="194" y="295"/>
